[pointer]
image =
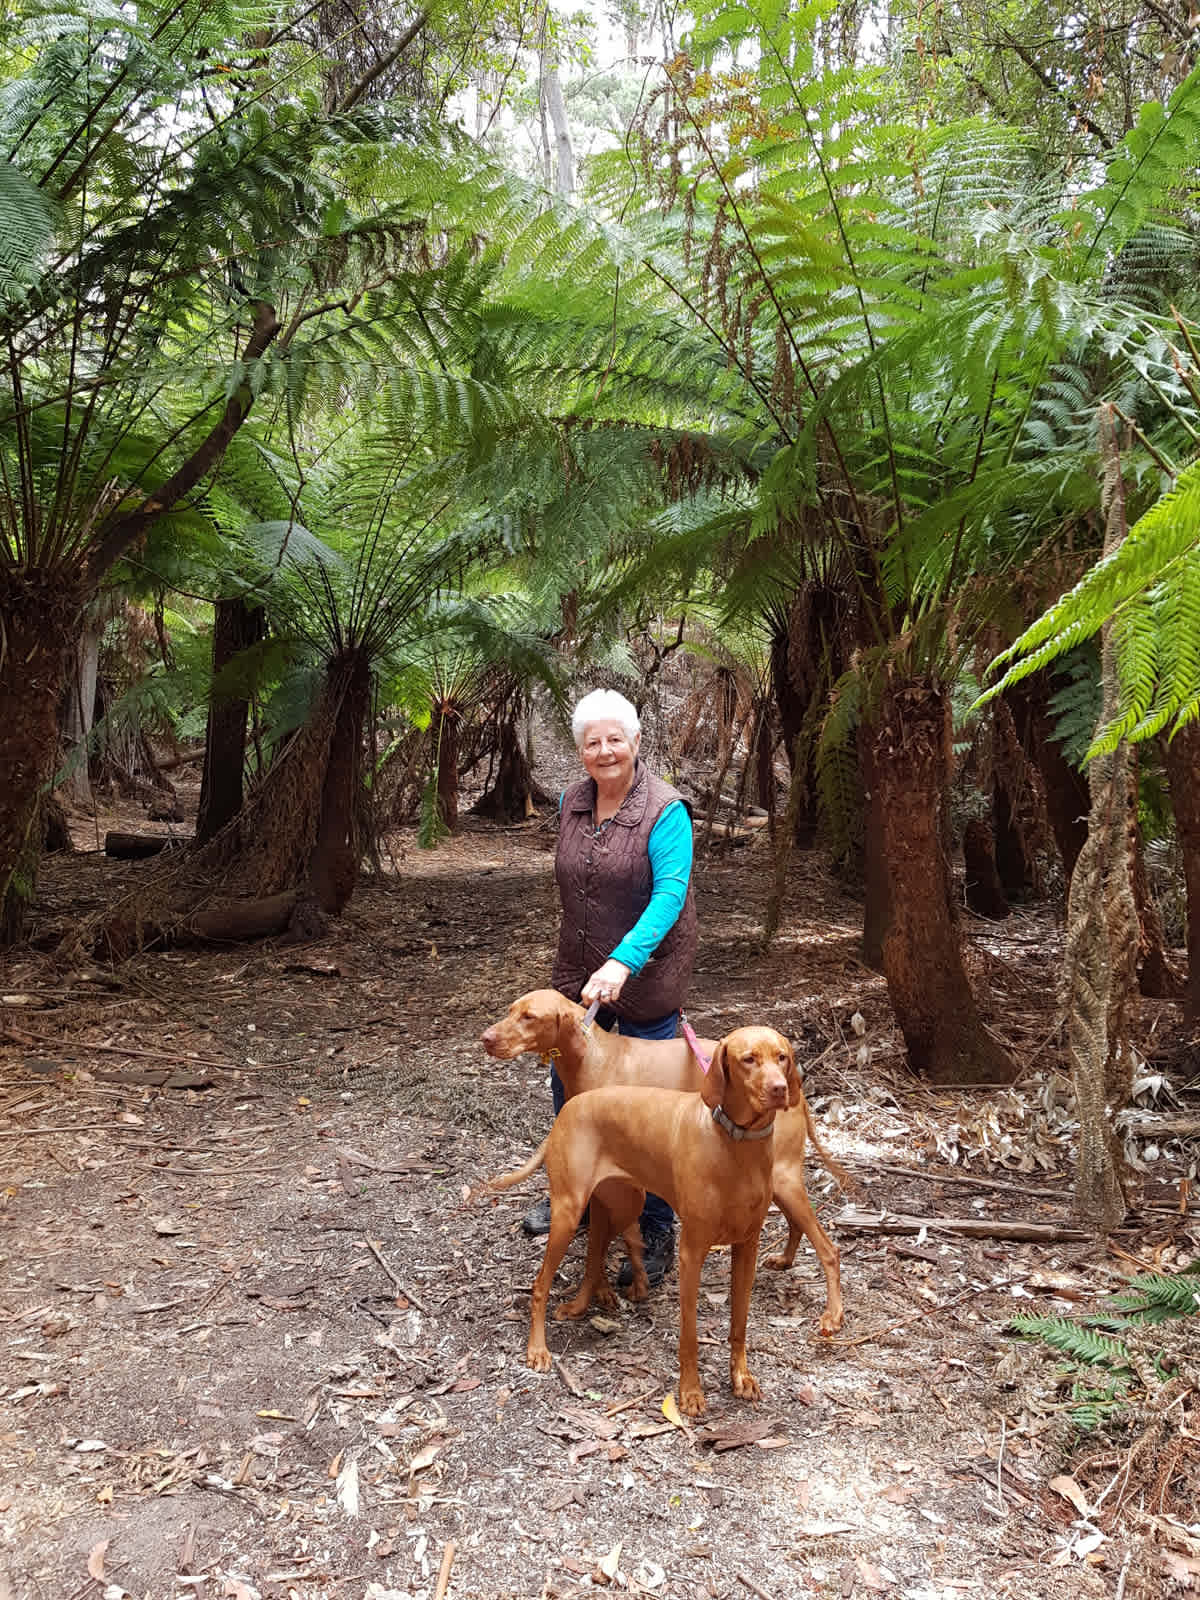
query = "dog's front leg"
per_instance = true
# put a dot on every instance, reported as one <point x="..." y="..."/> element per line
<point x="563" y="1221"/>
<point x="691" y="1259"/>
<point x="744" y="1258"/>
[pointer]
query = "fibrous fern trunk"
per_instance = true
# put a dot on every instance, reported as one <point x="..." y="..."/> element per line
<point x="945" y="1036"/>
<point x="1065" y="787"/>
<point x="39" y="613"/>
<point x="1102" y="934"/>
<point x="448" y="719"/>
<point x="236" y="626"/>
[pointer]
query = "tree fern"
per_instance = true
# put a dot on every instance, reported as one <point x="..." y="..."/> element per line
<point x="1155" y="566"/>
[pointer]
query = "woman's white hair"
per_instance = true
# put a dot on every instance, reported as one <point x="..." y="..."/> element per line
<point x="604" y="705"/>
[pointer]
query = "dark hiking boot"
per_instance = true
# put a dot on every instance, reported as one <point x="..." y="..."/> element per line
<point x="536" y="1220"/>
<point x="658" y="1255"/>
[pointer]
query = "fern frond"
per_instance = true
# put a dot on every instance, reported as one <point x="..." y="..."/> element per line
<point x="1082" y="1344"/>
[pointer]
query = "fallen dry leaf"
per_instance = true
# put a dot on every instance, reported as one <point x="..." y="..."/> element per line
<point x="611" y="1562"/>
<point x="425" y="1456"/>
<point x="737" y="1434"/>
<point x="671" y="1411"/>
<point x="1070" y="1490"/>
<point x="347" y="1488"/>
<point x="95" y="1560"/>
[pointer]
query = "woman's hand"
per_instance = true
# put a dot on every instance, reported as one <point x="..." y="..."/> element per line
<point x="605" y="983"/>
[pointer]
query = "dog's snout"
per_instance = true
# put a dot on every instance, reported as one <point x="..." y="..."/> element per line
<point x="777" y="1090"/>
<point x="488" y="1040"/>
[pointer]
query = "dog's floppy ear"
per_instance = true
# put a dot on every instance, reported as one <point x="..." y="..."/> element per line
<point x="712" y="1089"/>
<point x="792" y="1074"/>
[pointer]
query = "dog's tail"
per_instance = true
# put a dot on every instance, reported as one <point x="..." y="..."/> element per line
<point x="837" y="1172"/>
<point x="509" y="1180"/>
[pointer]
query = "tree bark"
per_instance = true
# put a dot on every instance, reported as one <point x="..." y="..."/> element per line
<point x="80" y="707"/>
<point x="236" y="627"/>
<point x="1102" y="928"/>
<point x="447" y="719"/>
<point x="877" y="906"/>
<point x="1016" y="807"/>
<point x="983" y="888"/>
<point x="556" y="109"/>
<point x="1181" y="752"/>
<point x="335" y="860"/>
<point x="40" y="613"/>
<point x="792" y="704"/>
<point x="1067" y="798"/>
<point x="946" y="1039"/>
<point x="512" y="794"/>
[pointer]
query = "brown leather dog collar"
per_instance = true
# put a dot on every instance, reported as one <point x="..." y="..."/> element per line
<point x="727" y="1125"/>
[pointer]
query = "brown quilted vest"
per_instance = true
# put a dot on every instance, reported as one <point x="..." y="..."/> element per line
<point x="604" y="884"/>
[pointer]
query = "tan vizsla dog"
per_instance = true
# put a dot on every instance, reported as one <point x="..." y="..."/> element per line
<point x="709" y="1156"/>
<point x="549" y="1023"/>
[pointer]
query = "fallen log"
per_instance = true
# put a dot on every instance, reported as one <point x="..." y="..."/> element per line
<point x="855" y="1218"/>
<point x="138" y="846"/>
<point x="289" y="912"/>
<point x="1161" y="1127"/>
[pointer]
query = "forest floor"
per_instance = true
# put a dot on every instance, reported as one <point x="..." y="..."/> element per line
<point x="256" y="1344"/>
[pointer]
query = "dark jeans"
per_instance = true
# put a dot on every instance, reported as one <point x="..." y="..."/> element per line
<point x="656" y="1213"/>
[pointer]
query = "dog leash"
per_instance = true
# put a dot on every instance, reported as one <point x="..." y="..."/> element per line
<point x="689" y="1033"/>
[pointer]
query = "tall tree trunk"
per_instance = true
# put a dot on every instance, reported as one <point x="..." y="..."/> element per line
<point x="447" y="721"/>
<point x="1068" y="800"/>
<point x="40" y="614"/>
<point x="552" y="108"/>
<point x="793" y="703"/>
<point x="39" y="617"/>
<point x="922" y="953"/>
<point x="1016" y="807"/>
<point x="1102" y="929"/>
<point x="877" y="904"/>
<point x="336" y="854"/>
<point x="1181" y="752"/>
<point x="236" y="626"/>
<point x="556" y="109"/>
<point x="80" y="709"/>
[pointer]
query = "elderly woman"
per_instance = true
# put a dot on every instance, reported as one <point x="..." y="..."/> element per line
<point x="628" y="930"/>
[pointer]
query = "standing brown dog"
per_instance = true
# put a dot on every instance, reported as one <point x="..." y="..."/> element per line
<point x="710" y="1157"/>
<point x="546" y="1021"/>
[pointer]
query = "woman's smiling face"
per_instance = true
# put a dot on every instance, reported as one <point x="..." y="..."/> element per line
<point x="608" y="753"/>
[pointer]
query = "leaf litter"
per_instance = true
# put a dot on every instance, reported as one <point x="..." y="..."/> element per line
<point x="258" y="1346"/>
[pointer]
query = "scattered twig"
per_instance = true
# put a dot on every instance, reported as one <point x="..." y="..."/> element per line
<point x="567" y="1377"/>
<point x="753" y="1587"/>
<point x="80" y="1046"/>
<point x="628" y="1405"/>
<point x="963" y="1177"/>
<point x="401" y="1287"/>
<point x="970" y="1227"/>
<point x="903" y="1322"/>
<point x="443" y="1577"/>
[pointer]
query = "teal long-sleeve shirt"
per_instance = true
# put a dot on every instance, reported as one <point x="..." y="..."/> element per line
<point x="670" y="851"/>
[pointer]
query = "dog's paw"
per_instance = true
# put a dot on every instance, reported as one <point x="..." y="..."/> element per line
<point x="745" y="1385"/>
<point x="778" y="1262"/>
<point x="830" y="1322"/>
<point x="605" y="1297"/>
<point x="537" y="1358"/>
<point x="691" y="1401"/>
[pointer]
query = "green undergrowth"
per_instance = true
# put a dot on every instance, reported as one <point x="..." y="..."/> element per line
<point x="1116" y="1360"/>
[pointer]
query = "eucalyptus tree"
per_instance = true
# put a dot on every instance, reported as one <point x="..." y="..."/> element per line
<point x="899" y="304"/>
<point x="190" y="229"/>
